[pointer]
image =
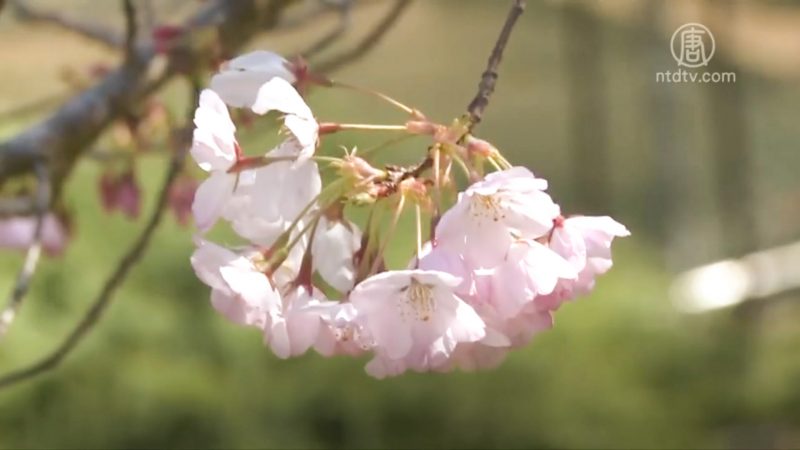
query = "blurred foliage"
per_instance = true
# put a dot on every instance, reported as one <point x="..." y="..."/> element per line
<point x="621" y="368"/>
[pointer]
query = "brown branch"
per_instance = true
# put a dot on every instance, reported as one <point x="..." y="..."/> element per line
<point x="344" y="9"/>
<point x="368" y="42"/>
<point x="489" y="77"/>
<point x="28" y="269"/>
<point x="93" y="31"/>
<point x="95" y="311"/>
<point x="62" y="138"/>
<point x="131" y="29"/>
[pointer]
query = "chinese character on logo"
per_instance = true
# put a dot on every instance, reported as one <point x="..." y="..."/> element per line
<point x="695" y="45"/>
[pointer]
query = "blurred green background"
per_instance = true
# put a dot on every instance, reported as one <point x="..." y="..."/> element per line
<point x="697" y="172"/>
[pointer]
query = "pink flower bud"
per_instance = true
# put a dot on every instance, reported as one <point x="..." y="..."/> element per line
<point x="166" y="36"/>
<point x="120" y="193"/>
<point x="479" y="147"/>
<point x="181" y="196"/>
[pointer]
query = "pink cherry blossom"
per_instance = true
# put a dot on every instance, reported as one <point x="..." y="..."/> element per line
<point x="17" y="233"/>
<point x="341" y="333"/>
<point x="240" y="291"/>
<point x="443" y="259"/>
<point x="215" y="150"/>
<point x="335" y="243"/>
<point x="295" y="325"/>
<point x="490" y="213"/>
<point x="239" y="79"/>
<point x="414" y="318"/>
<point x="530" y="270"/>
<point x="586" y="243"/>
<point x="279" y="95"/>
<point x="268" y="199"/>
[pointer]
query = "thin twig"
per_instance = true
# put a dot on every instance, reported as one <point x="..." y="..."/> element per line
<point x="127" y="262"/>
<point x="131" y="29"/>
<point x="290" y="22"/>
<point x="369" y="41"/>
<point x="344" y="9"/>
<point x="95" y="311"/>
<point x="489" y="77"/>
<point x="23" y="281"/>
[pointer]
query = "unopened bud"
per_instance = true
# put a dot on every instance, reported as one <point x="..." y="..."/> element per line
<point x="422" y="127"/>
<point x="480" y="147"/>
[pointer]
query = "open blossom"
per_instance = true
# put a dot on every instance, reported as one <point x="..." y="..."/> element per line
<point x="215" y="150"/>
<point x="487" y="216"/>
<point x="240" y="291"/>
<point x="295" y="324"/>
<point x="268" y="199"/>
<point x="414" y="318"/>
<point x="530" y="270"/>
<point x="335" y="243"/>
<point x="279" y="95"/>
<point x="341" y="333"/>
<point x="239" y="79"/>
<point x="586" y="243"/>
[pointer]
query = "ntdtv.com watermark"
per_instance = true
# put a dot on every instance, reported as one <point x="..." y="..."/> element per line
<point x="692" y="45"/>
<point x="683" y="76"/>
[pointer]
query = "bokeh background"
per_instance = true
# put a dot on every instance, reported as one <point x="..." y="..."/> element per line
<point x="697" y="172"/>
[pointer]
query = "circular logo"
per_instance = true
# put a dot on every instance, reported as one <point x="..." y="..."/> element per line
<point x="692" y="45"/>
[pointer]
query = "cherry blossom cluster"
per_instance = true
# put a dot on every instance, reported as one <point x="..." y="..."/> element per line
<point x="497" y="261"/>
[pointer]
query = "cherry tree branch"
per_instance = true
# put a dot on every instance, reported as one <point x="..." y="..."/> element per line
<point x="23" y="281"/>
<point x="63" y="137"/>
<point x="90" y="30"/>
<point x="131" y="28"/>
<point x="95" y="311"/>
<point x="368" y="42"/>
<point x="344" y="9"/>
<point x="489" y="77"/>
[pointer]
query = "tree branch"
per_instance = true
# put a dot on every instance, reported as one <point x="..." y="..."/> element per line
<point x="23" y="281"/>
<point x="131" y="29"/>
<point x="489" y="77"/>
<point x="94" y="313"/>
<point x="62" y="138"/>
<point x="93" y="31"/>
<point x="324" y="42"/>
<point x="368" y="42"/>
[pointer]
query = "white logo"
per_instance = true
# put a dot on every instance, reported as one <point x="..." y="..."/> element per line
<point x="692" y="45"/>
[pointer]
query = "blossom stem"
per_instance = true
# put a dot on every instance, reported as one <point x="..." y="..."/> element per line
<point x="494" y="164"/>
<point x="370" y="235"/>
<point x="503" y="161"/>
<point x="463" y="166"/>
<point x="255" y="162"/>
<point x="284" y="237"/>
<point x="331" y="127"/>
<point x="418" y="213"/>
<point x="437" y="180"/>
<point x="389" y="234"/>
<point x="379" y="95"/>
